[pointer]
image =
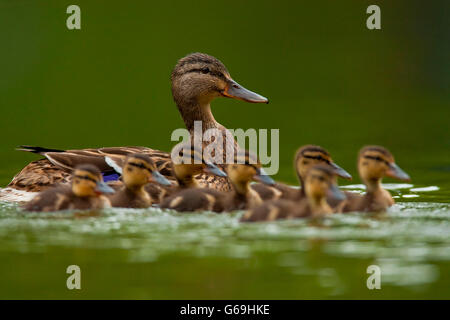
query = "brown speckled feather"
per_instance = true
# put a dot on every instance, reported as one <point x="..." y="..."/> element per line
<point x="41" y="174"/>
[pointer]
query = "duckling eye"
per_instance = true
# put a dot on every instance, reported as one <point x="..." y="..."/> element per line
<point x="138" y="165"/>
<point x="205" y="70"/>
<point x="79" y="178"/>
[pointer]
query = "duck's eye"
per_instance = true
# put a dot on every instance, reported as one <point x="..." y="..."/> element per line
<point x="205" y="70"/>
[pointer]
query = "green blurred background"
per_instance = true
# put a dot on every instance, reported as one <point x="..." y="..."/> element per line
<point x="330" y="81"/>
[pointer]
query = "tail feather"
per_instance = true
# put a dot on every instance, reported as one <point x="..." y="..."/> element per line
<point x="38" y="150"/>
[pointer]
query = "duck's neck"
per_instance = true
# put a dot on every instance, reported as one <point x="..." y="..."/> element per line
<point x="373" y="185"/>
<point x="243" y="192"/>
<point x="301" y="191"/>
<point x="192" y="111"/>
<point x="136" y="190"/>
<point x="187" y="182"/>
<point x="241" y="188"/>
<point x="319" y="206"/>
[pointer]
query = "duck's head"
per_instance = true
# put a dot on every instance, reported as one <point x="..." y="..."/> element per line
<point x="198" y="78"/>
<point x="320" y="181"/>
<point x="189" y="161"/>
<point x="375" y="162"/>
<point x="139" y="169"/>
<point x="247" y="168"/>
<point x="87" y="181"/>
<point x="311" y="155"/>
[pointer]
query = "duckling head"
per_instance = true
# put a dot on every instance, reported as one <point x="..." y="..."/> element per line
<point x="198" y="78"/>
<point x="319" y="182"/>
<point x="375" y="162"/>
<point x="247" y="168"/>
<point x="139" y="169"/>
<point x="87" y="181"/>
<point x="189" y="161"/>
<point x="311" y="155"/>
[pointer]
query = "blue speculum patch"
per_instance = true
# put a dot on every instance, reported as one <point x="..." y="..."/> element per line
<point x="110" y="176"/>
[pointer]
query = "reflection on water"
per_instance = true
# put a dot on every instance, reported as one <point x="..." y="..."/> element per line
<point x="292" y="259"/>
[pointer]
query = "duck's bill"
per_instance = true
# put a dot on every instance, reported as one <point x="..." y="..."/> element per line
<point x="340" y="172"/>
<point x="213" y="169"/>
<point x="236" y="91"/>
<point x="159" y="178"/>
<point x="336" y="193"/>
<point x="102" y="187"/>
<point x="396" y="172"/>
<point x="261" y="176"/>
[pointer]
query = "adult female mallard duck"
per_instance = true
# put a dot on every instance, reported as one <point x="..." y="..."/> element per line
<point x="197" y="80"/>
<point x="137" y="172"/>
<point x="319" y="182"/>
<point x="245" y="169"/>
<point x="85" y="192"/>
<point x="305" y="158"/>
<point x="374" y="163"/>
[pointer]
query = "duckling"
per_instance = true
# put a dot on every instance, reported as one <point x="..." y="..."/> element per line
<point x="86" y="192"/>
<point x="197" y="80"/>
<point x="374" y="163"/>
<point x="138" y="170"/>
<point x="245" y="169"/>
<point x="305" y="158"/>
<point x="319" y="181"/>
<point x="187" y="163"/>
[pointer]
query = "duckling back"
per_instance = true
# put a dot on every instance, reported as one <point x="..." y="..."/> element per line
<point x="277" y="191"/>
<point x="369" y="202"/>
<point x="191" y="200"/>
<point x="62" y="198"/>
<point x="276" y="210"/>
